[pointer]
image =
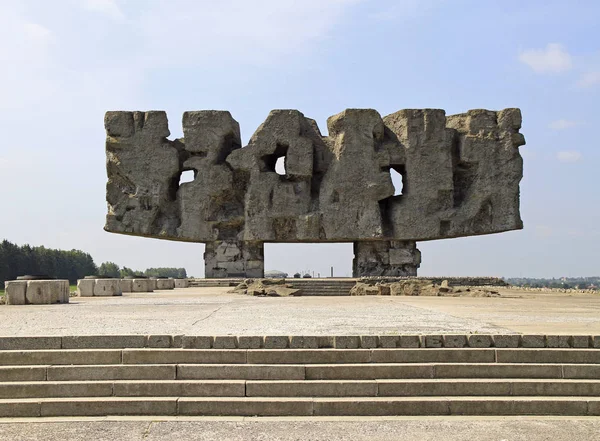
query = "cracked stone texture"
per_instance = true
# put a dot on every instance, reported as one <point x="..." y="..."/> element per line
<point x="461" y="177"/>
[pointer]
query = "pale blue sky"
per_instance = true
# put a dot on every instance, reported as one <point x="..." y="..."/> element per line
<point x="65" y="62"/>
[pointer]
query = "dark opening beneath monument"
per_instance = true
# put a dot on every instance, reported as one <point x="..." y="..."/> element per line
<point x="187" y="176"/>
<point x="314" y="259"/>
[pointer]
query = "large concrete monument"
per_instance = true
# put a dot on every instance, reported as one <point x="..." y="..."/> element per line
<point x="460" y="177"/>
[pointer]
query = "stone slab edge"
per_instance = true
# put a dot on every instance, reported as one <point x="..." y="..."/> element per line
<point x="301" y="342"/>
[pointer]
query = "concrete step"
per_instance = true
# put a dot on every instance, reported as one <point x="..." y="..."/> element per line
<point x="300" y="388"/>
<point x="331" y="406"/>
<point x="296" y="356"/>
<point x="348" y="371"/>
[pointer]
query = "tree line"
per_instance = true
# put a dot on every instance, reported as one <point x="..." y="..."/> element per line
<point x="113" y="270"/>
<point x="72" y="265"/>
<point x="21" y="260"/>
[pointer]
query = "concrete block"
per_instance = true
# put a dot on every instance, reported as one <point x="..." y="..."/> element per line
<point x="556" y="388"/>
<point x="276" y="342"/>
<point x="595" y="341"/>
<point x="440" y="388"/>
<point x="388" y="341"/>
<point x="177" y="341"/>
<point x="507" y="341"/>
<point x="533" y="341"/>
<point x="225" y="342"/>
<point x="15" y="292"/>
<point x="159" y="341"/>
<point x="152" y="283"/>
<point x="175" y="356"/>
<point x="107" y="287"/>
<point x="177" y="388"/>
<point x="19" y="409"/>
<point x="141" y="285"/>
<point x="240" y="372"/>
<point x="108" y="406"/>
<point x="303" y="342"/>
<point x="245" y="406"/>
<point x="517" y="406"/>
<point x="182" y="283"/>
<point x="434" y="341"/>
<point x="497" y="370"/>
<point x="306" y="356"/>
<point x="593" y="407"/>
<point x="196" y="342"/>
<point x="346" y="341"/>
<point x="326" y="341"/>
<point x="369" y="341"/>
<point x="557" y="341"/>
<point x="567" y="356"/>
<point x="111" y="372"/>
<point x="43" y="357"/>
<point x="379" y="406"/>
<point x="103" y="341"/>
<point x="249" y="342"/>
<point x="85" y="287"/>
<point x="368" y="371"/>
<point x="455" y="341"/>
<point x="334" y="388"/>
<point x="409" y="341"/>
<point x="38" y="292"/>
<point x="51" y="389"/>
<point x="126" y="285"/>
<point x="480" y="341"/>
<point x="433" y="355"/>
<point x="580" y="341"/>
<point x="23" y="373"/>
<point x="587" y="371"/>
<point x="165" y="284"/>
<point x="25" y="343"/>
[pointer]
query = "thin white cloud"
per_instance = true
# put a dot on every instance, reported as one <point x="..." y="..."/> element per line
<point x="569" y="156"/>
<point x="543" y="231"/>
<point x="233" y="31"/>
<point x="37" y="32"/>
<point x="553" y="59"/>
<point x="589" y="79"/>
<point x="109" y="8"/>
<point x="563" y="124"/>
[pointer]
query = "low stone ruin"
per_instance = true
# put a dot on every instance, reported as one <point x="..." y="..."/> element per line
<point x="418" y="287"/>
<point x="33" y="290"/>
<point x="460" y="177"/>
<point x="266" y="287"/>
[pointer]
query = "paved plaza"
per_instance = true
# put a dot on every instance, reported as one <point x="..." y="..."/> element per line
<point x="214" y="311"/>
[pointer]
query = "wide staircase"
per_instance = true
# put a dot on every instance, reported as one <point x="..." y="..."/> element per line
<point x="298" y="376"/>
<point x="323" y="287"/>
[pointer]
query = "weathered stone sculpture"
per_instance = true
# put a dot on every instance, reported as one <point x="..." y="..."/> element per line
<point x="460" y="175"/>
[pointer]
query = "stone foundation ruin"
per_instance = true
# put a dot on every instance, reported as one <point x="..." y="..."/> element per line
<point x="460" y="177"/>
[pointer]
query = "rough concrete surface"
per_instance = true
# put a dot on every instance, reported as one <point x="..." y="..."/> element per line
<point x="213" y="311"/>
<point x="434" y="429"/>
<point x="460" y="177"/>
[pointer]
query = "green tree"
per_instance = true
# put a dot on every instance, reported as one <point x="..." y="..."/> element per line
<point x="110" y="269"/>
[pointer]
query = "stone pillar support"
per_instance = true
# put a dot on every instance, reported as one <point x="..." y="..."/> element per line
<point x="386" y="258"/>
<point x="232" y="258"/>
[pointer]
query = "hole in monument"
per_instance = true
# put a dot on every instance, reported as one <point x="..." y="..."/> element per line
<point x="187" y="176"/>
<point x="397" y="174"/>
<point x="280" y="166"/>
<point x="315" y="259"/>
